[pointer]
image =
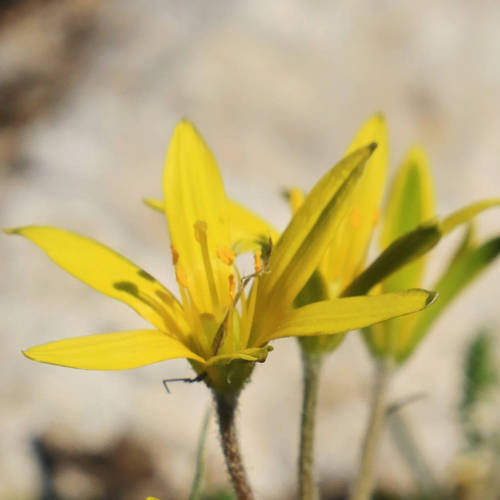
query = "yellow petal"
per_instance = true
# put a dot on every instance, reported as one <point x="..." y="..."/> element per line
<point x="347" y="251"/>
<point x="306" y="238"/>
<point x="247" y="229"/>
<point x="411" y="202"/>
<point x="467" y="213"/>
<point x="112" y="351"/>
<point x="194" y="194"/>
<point x="110" y="273"/>
<point x="342" y="315"/>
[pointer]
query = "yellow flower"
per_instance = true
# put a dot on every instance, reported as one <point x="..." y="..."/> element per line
<point x="217" y="325"/>
<point x="410" y="230"/>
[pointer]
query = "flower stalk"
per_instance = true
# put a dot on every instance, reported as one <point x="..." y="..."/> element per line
<point x="308" y="487"/>
<point x="226" y="411"/>
<point x="365" y="478"/>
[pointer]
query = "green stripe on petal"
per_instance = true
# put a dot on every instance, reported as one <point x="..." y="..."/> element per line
<point x="110" y="273"/>
<point x="112" y="351"/>
<point x="350" y="313"/>
<point x="411" y="202"/>
<point x="398" y="254"/>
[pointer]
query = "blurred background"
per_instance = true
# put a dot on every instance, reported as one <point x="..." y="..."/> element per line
<point x="89" y="93"/>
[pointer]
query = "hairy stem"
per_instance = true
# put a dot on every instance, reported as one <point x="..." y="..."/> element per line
<point x="226" y="410"/>
<point x="365" y="478"/>
<point x="308" y="488"/>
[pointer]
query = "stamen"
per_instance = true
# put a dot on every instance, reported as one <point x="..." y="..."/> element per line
<point x="181" y="276"/>
<point x="355" y="217"/>
<point x="175" y="255"/>
<point x="257" y="262"/>
<point x="376" y="216"/>
<point x="232" y="287"/>
<point x="225" y="254"/>
<point x="200" y="233"/>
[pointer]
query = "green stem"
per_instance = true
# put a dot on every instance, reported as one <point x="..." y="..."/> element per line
<point x="365" y="478"/>
<point x="308" y="488"/>
<point x="408" y="447"/>
<point x="226" y="410"/>
<point x="200" y="460"/>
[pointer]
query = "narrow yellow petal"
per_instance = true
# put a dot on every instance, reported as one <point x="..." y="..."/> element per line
<point x="110" y="273"/>
<point x="194" y="193"/>
<point x="247" y="230"/>
<point x="112" y="351"/>
<point x="467" y="213"/>
<point x="341" y="315"/>
<point x="347" y="251"/>
<point x="306" y="238"/>
<point x="411" y="202"/>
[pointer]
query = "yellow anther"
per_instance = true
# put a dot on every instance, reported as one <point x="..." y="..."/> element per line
<point x="296" y="199"/>
<point x="257" y="261"/>
<point x="232" y="287"/>
<point x="175" y="255"/>
<point x="181" y="276"/>
<point x="225" y="254"/>
<point x="355" y="218"/>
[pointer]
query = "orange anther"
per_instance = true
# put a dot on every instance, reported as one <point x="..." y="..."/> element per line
<point x="175" y="255"/>
<point x="376" y="216"/>
<point x="225" y="254"/>
<point x="232" y="287"/>
<point x="181" y="276"/>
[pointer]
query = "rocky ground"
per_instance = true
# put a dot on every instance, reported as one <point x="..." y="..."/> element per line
<point x="89" y="94"/>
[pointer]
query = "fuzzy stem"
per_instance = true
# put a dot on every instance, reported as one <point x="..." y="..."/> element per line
<point x="365" y="478"/>
<point x="311" y="365"/>
<point x="226" y="409"/>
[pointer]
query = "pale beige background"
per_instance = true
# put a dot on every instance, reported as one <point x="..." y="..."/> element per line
<point x="278" y="89"/>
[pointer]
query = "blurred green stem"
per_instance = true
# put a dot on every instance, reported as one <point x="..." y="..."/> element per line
<point x="226" y="410"/>
<point x="308" y="488"/>
<point x="411" y="453"/>
<point x="365" y="478"/>
<point x="199" y="472"/>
